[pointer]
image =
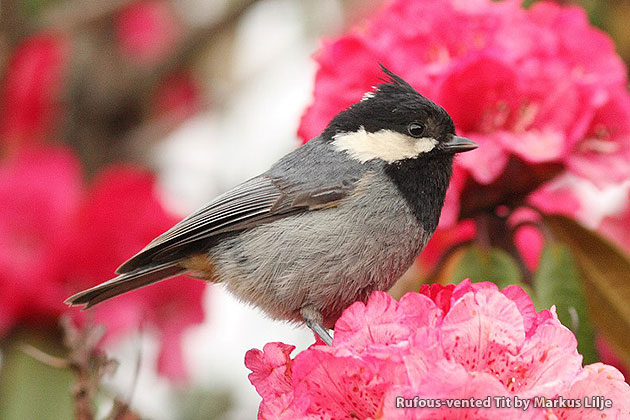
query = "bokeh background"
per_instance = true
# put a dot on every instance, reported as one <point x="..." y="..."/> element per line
<point x="117" y="117"/>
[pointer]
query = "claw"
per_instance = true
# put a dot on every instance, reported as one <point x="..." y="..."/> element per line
<point x="313" y="319"/>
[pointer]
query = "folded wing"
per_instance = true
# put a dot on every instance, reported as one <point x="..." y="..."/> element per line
<point x="257" y="201"/>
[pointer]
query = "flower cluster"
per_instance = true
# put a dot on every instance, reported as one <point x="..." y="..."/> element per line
<point x="446" y="342"/>
<point x="59" y="235"/>
<point x="540" y="90"/>
<point x="31" y="89"/>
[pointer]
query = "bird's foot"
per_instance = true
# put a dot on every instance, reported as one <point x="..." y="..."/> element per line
<point x="313" y="319"/>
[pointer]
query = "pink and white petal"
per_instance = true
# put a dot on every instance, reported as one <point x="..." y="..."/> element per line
<point x="383" y="321"/>
<point x="487" y="162"/>
<point x="481" y="328"/>
<point x="419" y="311"/>
<point x="440" y="294"/>
<point x="524" y="304"/>
<point x="596" y="380"/>
<point x="535" y="145"/>
<point x="529" y="242"/>
<point x="601" y="168"/>
<point x="272" y="374"/>
<point x="462" y="288"/>
<point x="450" y="382"/>
<point x="547" y="363"/>
<point x="377" y="321"/>
<point x="467" y="286"/>
<point x="423" y="352"/>
<point x="556" y="197"/>
<point x="329" y="383"/>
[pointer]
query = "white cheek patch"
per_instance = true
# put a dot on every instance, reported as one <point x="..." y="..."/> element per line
<point x="387" y="145"/>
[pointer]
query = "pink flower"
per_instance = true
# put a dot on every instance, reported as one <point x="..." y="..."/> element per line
<point x="29" y="100"/>
<point x="617" y="229"/>
<point x="517" y="81"/>
<point x="595" y="380"/>
<point x="608" y="356"/>
<point x="119" y="215"/>
<point x="147" y="30"/>
<point x="605" y="147"/>
<point x="55" y="240"/>
<point x="40" y="191"/>
<point x="446" y="342"/>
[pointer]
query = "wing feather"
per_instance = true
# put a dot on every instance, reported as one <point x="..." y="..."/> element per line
<point x="259" y="200"/>
<point x="249" y="196"/>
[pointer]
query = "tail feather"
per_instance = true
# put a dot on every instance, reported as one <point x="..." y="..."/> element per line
<point x="124" y="283"/>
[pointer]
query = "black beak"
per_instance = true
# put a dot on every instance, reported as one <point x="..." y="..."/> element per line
<point x="457" y="144"/>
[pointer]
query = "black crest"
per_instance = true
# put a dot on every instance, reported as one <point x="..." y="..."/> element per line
<point x="394" y="84"/>
<point x="392" y="105"/>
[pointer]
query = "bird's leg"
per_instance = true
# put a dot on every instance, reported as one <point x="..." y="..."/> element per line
<point x="313" y="319"/>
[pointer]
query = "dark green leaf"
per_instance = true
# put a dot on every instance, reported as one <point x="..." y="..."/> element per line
<point x="494" y="265"/>
<point x="606" y="276"/>
<point x="557" y="282"/>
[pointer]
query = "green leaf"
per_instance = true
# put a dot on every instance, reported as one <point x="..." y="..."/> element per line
<point x="557" y="282"/>
<point x="494" y="265"/>
<point x="30" y="389"/>
<point x="606" y="277"/>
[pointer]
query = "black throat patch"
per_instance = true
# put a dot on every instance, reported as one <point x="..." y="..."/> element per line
<point x="423" y="182"/>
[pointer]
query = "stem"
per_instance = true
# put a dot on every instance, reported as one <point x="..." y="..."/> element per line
<point x="494" y="232"/>
<point x="483" y="230"/>
<point x="82" y="393"/>
<point x="45" y="358"/>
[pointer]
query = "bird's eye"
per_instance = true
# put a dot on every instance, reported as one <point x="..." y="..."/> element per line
<point x="415" y="129"/>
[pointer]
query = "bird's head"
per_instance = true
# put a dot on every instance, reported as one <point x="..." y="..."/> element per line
<point x="395" y="123"/>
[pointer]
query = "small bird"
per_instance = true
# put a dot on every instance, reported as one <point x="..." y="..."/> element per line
<point x="341" y="216"/>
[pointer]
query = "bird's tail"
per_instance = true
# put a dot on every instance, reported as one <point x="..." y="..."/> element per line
<point x="125" y="283"/>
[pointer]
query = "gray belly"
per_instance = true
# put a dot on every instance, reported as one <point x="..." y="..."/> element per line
<point x="324" y="258"/>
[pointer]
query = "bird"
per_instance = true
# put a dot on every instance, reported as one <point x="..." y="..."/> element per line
<point x="339" y="217"/>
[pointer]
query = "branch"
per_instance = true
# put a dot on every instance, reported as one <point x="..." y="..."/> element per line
<point x="89" y="365"/>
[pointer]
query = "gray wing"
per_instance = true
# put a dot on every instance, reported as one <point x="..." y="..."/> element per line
<point x="259" y="200"/>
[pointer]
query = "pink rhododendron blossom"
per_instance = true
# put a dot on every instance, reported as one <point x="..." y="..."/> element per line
<point x="30" y="92"/>
<point x="605" y="147"/>
<point x="608" y="356"/>
<point x="56" y="238"/>
<point x="540" y="90"/>
<point x="446" y="342"/>
<point x="40" y="190"/>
